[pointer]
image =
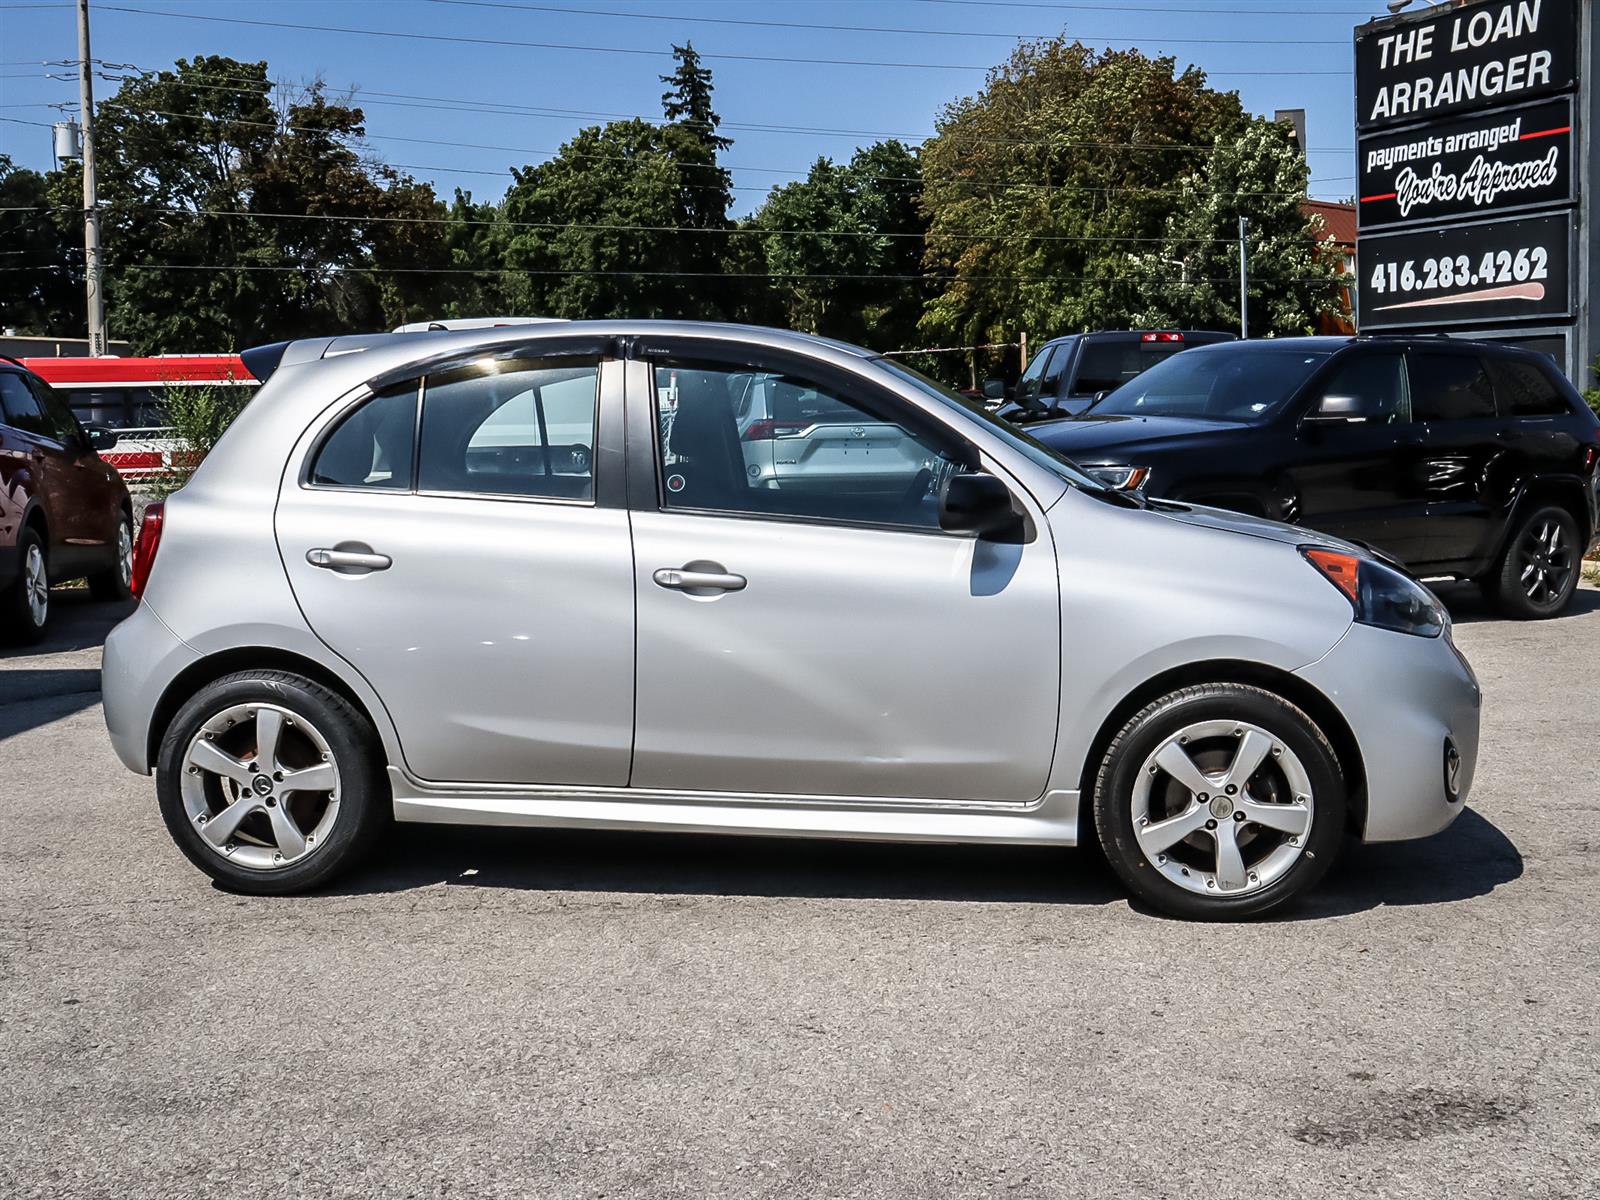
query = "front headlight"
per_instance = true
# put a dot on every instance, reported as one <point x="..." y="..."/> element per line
<point x="1120" y="479"/>
<point x="1381" y="596"/>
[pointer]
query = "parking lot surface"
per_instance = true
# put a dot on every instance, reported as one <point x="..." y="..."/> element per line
<point x="491" y="1013"/>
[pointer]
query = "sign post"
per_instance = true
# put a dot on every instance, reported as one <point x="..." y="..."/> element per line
<point x="1473" y="131"/>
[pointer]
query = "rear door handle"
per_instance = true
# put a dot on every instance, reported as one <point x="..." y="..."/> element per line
<point x="348" y="562"/>
<point x="691" y="579"/>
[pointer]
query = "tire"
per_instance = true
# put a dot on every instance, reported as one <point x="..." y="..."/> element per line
<point x="236" y="794"/>
<point x="1284" y="845"/>
<point x="25" y="605"/>
<point x="116" y="581"/>
<point x="1539" y="568"/>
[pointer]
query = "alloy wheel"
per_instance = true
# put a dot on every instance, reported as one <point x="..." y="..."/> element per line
<point x="260" y="786"/>
<point x="36" y="585"/>
<point x="1546" y="560"/>
<point x="1222" y="808"/>
<point x="124" y="555"/>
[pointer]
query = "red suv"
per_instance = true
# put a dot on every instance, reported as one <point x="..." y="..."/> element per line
<point x="64" y="514"/>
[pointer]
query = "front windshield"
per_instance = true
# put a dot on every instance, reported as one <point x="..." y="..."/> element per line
<point x="1239" y="382"/>
<point x="1035" y="451"/>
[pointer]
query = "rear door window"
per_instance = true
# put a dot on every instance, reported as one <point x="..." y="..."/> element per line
<point x="1522" y="390"/>
<point x="371" y="447"/>
<point x="1449" y="387"/>
<point x="1106" y="365"/>
<point x="21" y="408"/>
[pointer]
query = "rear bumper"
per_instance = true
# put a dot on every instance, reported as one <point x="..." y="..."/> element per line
<point x="142" y="657"/>
<point x="1408" y="700"/>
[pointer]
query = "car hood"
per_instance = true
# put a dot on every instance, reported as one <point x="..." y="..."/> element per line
<point x="1086" y="438"/>
<point x="1261" y="527"/>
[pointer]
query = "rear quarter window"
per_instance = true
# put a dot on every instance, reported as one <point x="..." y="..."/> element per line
<point x="1521" y="389"/>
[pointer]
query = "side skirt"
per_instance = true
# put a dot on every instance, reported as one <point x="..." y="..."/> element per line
<point x="1050" y="821"/>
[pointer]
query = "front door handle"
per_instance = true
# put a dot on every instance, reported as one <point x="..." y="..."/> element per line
<point x="348" y="562"/>
<point x="699" y="579"/>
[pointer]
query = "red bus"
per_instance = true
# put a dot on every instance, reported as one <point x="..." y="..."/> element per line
<point x="125" y="394"/>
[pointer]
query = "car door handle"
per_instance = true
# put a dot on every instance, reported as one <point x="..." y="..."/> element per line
<point x="689" y="579"/>
<point x="354" y="562"/>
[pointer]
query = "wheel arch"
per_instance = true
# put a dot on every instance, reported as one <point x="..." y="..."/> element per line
<point x="1253" y="674"/>
<point x="1563" y="491"/>
<point x="198" y="674"/>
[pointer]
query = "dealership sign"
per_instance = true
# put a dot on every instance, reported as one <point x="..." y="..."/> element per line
<point x="1469" y="167"/>
<point x="1468" y="274"/>
<point x="1471" y="57"/>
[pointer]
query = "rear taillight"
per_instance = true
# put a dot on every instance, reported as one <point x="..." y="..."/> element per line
<point x="144" y="550"/>
<point x="1161" y="337"/>
<point x="1591" y="454"/>
<point x="766" y="429"/>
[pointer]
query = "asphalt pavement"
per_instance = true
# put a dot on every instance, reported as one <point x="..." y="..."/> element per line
<point x="534" y="1014"/>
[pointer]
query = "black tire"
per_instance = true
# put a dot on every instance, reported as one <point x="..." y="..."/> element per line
<point x="1538" y="598"/>
<point x="114" y="582"/>
<point x="18" y="622"/>
<point x="365" y="808"/>
<point x="1148" y="731"/>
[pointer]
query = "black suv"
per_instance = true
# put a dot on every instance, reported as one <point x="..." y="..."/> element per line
<point x="1067" y="373"/>
<point x="1464" y="459"/>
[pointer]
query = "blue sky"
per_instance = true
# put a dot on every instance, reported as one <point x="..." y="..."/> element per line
<point x="1275" y="53"/>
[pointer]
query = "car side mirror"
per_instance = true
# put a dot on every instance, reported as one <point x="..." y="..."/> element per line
<point x="994" y="389"/>
<point x="978" y="503"/>
<point x="99" y="437"/>
<point x="1337" y="407"/>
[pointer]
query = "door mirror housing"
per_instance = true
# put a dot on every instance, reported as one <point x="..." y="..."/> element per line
<point x="979" y="504"/>
<point x="99" y="437"/>
<point x="1336" y="406"/>
<point x="994" y="389"/>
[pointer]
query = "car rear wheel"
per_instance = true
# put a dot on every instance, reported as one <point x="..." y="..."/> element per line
<point x="1539" y="569"/>
<point x="1220" y="801"/>
<point x="25" y="605"/>
<point x="116" y="581"/>
<point x="270" y="784"/>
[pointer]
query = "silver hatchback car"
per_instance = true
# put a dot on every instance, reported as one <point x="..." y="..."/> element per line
<point x="420" y="580"/>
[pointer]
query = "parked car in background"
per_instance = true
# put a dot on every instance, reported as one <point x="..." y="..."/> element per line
<point x="346" y="617"/>
<point x="1472" y="460"/>
<point x="124" y="396"/>
<point x="64" y="514"/>
<point x="1067" y="374"/>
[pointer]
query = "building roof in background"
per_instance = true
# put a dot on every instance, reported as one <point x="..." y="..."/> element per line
<point x="1339" y="219"/>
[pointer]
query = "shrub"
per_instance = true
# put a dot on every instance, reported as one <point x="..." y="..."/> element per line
<point x="198" y="417"/>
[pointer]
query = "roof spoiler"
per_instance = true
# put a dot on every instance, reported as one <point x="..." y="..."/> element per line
<point x="262" y="361"/>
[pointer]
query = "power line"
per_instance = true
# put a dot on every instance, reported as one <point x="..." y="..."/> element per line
<point x="746" y="230"/>
<point x="767" y="275"/>
<point x="832" y="28"/>
<point x="461" y="39"/>
<point x="1126" y="8"/>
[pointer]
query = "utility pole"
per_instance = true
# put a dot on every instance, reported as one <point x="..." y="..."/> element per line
<point x="91" y="210"/>
<point x="1244" y="279"/>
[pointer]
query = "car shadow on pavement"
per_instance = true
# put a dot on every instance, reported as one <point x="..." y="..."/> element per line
<point x="1467" y="605"/>
<point x="30" y="698"/>
<point x="1469" y="859"/>
<point x="77" y="622"/>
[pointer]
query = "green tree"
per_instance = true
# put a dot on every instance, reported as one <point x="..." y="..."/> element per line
<point x="1037" y="188"/>
<point x="230" y="218"/>
<point x="41" y="278"/>
<point x="841" y="243"/>
<point x="1191" y="280"/>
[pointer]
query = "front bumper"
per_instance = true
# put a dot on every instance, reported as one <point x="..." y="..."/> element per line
<point x="142" y="657"/>
<point x="1407" y="699"/>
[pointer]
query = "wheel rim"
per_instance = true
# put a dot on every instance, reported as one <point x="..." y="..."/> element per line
<point x="124" y="554"/>
<point x="36" y="585"/>
<point x="1222" y="808"/>
<point x="260" y="786"/>
<point x="1545" y="555"/>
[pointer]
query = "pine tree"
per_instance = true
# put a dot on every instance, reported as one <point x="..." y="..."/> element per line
<point x="688" y="101"/>
<point x="692" y="133"/>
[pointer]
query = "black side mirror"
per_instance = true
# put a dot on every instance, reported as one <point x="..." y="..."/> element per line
<point x="1336" y="407"/>
<point x="99" y="437"/>
<point x="979" y="504"/>
<point x="994" y="389"/>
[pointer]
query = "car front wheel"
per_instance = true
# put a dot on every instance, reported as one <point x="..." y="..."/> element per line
<point x="1220" y="801"/>
<point x="270" y="783"/>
